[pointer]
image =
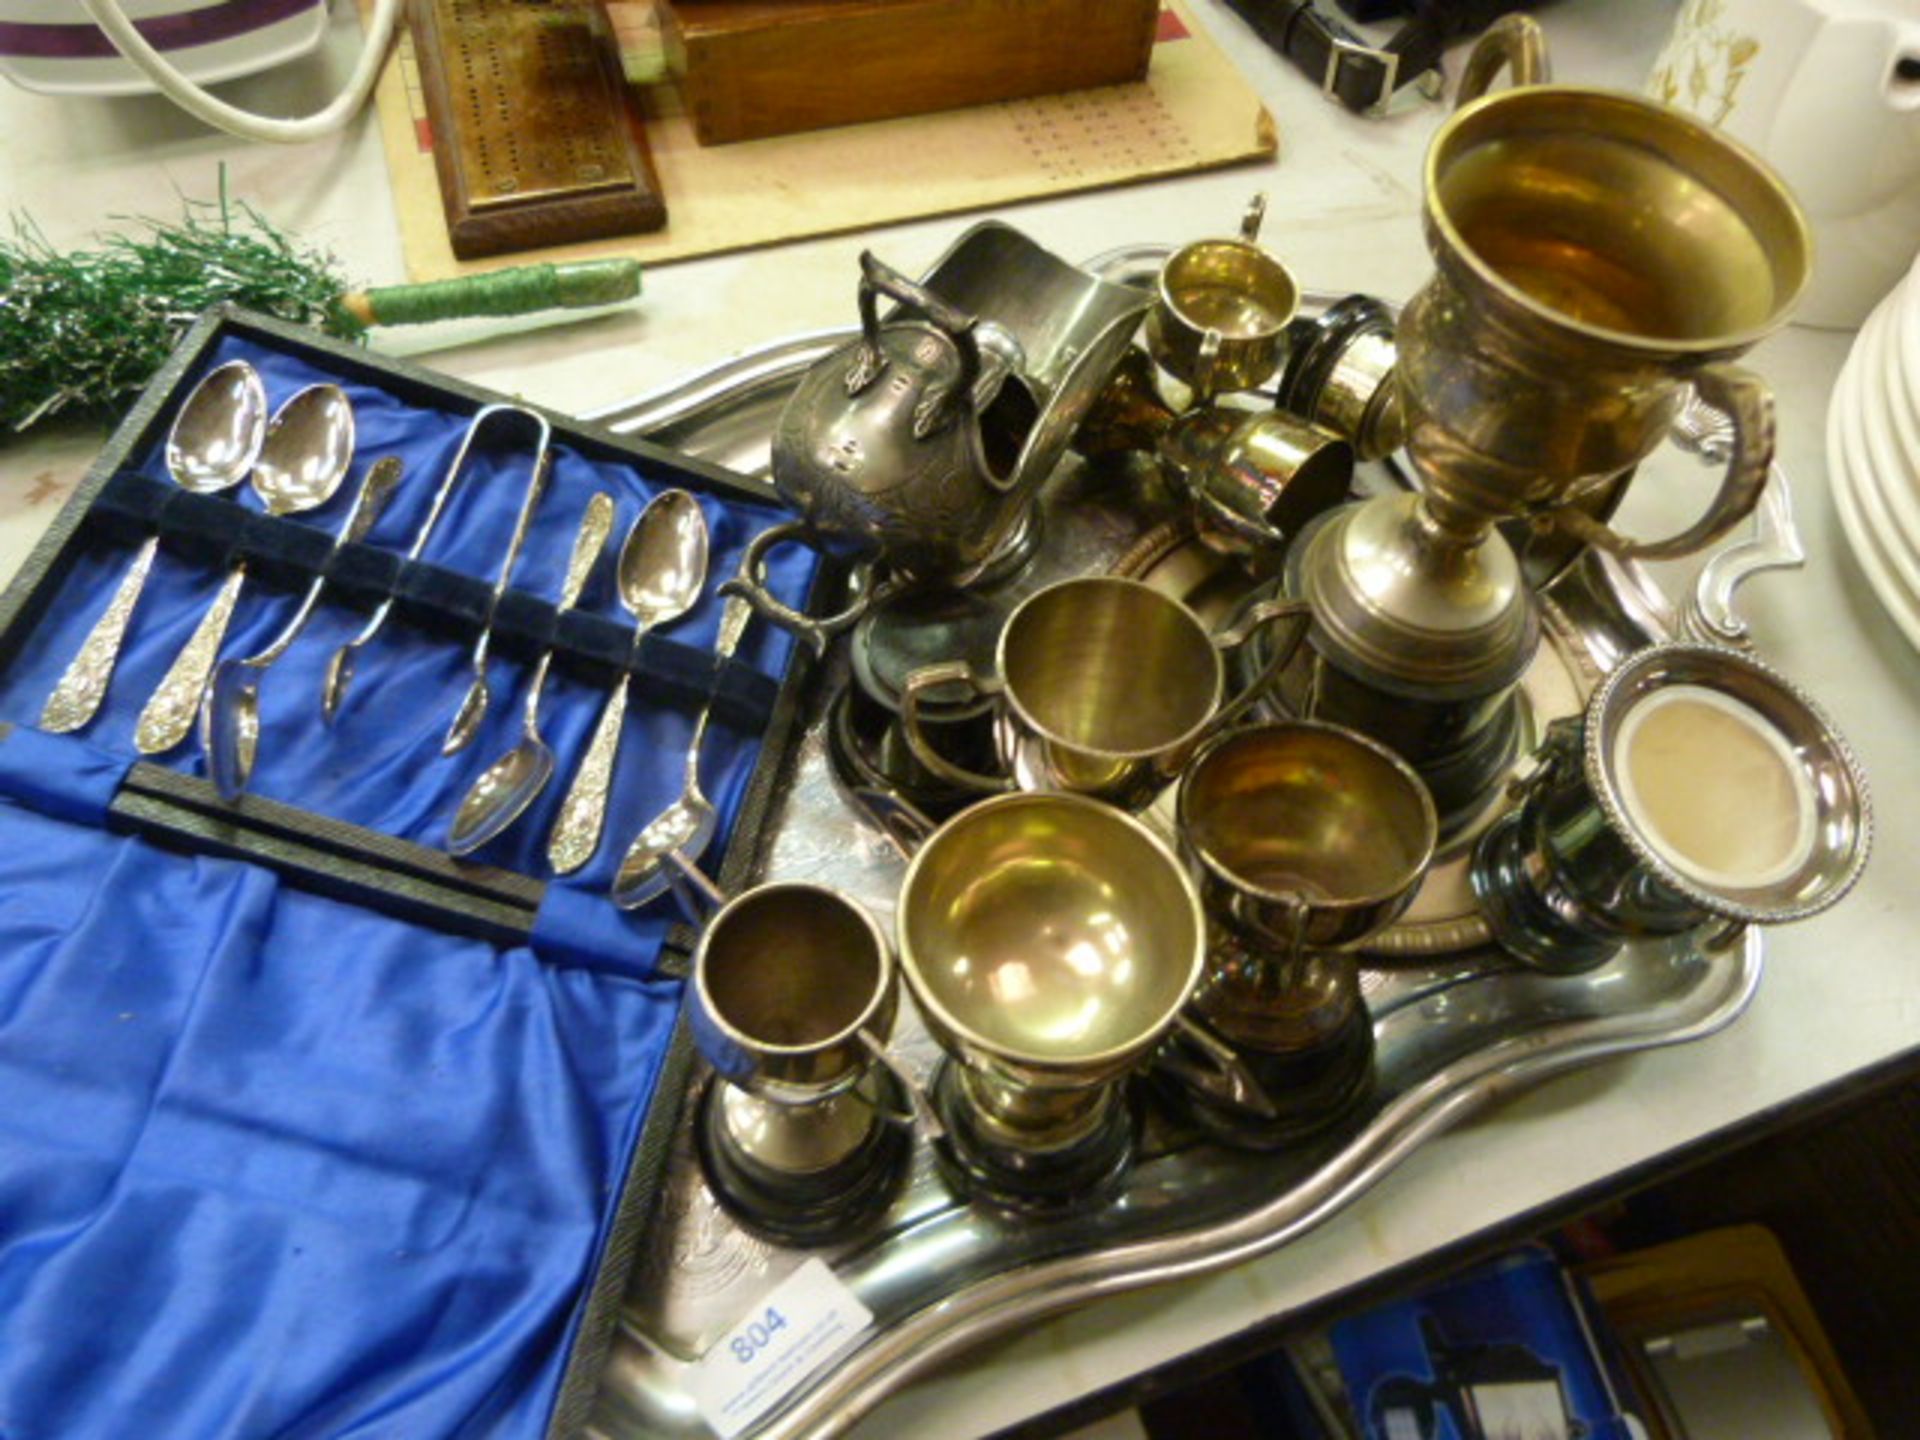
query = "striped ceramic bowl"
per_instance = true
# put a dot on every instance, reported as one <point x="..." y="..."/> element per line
<point x="51" y="46"/>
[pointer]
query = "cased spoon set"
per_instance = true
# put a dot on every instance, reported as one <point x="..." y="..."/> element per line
<point x="295" y="459"/>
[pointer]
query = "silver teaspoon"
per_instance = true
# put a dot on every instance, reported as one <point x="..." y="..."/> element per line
<point x="507" y="786"/>
<point x="230" y="720"/>
<point x="214" y="441"/>
<point x="685" y="828"/>
<point x="308" y="448"/>
<point x="663" y="566"/>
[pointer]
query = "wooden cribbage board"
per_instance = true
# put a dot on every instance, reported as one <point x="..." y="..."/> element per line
<point x="538" y="142"/>
<point x="1194" y="111"/>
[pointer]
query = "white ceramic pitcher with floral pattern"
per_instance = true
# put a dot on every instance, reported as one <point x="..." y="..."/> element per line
<point x="1829" y="92"/>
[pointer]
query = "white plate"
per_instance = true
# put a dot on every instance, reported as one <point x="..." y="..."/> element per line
<point x="1900" y="607"/>
<point x="209" y="64"/>
<point x="1871" y="447"/>
<point x="1902" y="345"/>
<point x="1841" y="470"/>
<point x="1893" y="431"/>
<point x="1908" y="321"/>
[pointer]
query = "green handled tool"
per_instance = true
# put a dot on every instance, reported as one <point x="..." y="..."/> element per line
<point x="82" y="331"/>
<point x="519" y="290"/>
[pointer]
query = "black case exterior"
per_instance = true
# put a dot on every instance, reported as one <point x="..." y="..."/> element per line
<point x="398" y="876"/>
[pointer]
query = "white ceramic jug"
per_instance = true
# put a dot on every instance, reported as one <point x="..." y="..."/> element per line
<point x="1829" y="92"/>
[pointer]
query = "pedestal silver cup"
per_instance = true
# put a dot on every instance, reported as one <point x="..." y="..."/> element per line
<point x="1050" y="942"/>
<point x="792" y="998"/>
<point x="1596" y="256"/>
<point x="1304" y="839"/>
<point x="1698" y="788"/>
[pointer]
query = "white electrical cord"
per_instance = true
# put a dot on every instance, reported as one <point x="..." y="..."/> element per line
<point x="108" y="15"/>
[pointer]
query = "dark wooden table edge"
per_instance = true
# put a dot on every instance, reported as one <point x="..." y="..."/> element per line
<point x="1470" y="1249"/>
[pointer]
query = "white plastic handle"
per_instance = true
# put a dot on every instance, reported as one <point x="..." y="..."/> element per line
<point x="108" y="15"/>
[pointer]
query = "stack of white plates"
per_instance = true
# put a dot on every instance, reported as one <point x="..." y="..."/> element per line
<point x="1873" y="452"/>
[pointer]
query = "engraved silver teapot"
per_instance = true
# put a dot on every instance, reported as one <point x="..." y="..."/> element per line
<point x="905" y="443"/>
<point x="918" y="447"/>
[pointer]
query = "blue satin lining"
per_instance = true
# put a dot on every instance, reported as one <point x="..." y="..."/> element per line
<point x="273" y="1164"/>
<point x="59" y="775"/>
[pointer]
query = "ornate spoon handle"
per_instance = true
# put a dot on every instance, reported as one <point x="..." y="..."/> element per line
<point x="596" y="523"/>
<point x="169" y="714"/>
<point x="733" y="624"/>
<point x="576" y="834"/>
<point x="84" y="685"/>
<point x="375" y="491"/>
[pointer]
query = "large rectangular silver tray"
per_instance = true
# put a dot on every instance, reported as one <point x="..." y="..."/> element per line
<point x="940" y="1276"/>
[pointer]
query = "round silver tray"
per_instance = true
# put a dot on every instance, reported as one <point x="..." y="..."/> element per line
<point x="939" y="1276"/>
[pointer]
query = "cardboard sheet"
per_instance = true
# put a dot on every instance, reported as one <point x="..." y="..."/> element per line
<point x="1193" y="112"/>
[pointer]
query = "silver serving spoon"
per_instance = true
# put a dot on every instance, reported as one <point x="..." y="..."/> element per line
<point x="230" y="720"/>
<point x="214" y="441"/>
<point x="685" y="828"/>
<point x="663" y="566"/>
<point x="473" y="705"/>
<point x="340" y="664"/>
<point x="507" y="786"/>
<point x="307" y="450"/>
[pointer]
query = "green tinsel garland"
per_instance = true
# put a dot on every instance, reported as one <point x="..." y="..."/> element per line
<point x="84" y="332"/>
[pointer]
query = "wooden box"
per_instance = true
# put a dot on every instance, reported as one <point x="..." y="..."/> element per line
<point x="754" y="68"/>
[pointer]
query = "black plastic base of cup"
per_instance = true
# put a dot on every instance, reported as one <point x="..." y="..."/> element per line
<point x="1465" y="780"/>
<point x="867" y="753"/>
<point x="818" y="1207"/>
<point x="1526" y="923"/>
<point x="1311" y="1091"/>
<point x="1075" y="1178"/>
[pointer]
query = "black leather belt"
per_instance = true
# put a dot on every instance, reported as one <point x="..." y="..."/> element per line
<point x="1361" y="76"/>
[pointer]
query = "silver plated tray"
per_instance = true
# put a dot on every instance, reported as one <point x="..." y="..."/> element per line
<point x="1452" y="1032"/>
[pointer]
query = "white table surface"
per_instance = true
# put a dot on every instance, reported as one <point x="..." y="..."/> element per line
<point x="1841" y="992"/>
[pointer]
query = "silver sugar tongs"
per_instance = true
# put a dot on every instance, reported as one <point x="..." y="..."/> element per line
<point x="340" y="666"/>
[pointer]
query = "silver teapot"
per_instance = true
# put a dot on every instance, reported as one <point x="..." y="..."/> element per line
<point x="918" y="446"/>
<point x="905" y="443"/>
